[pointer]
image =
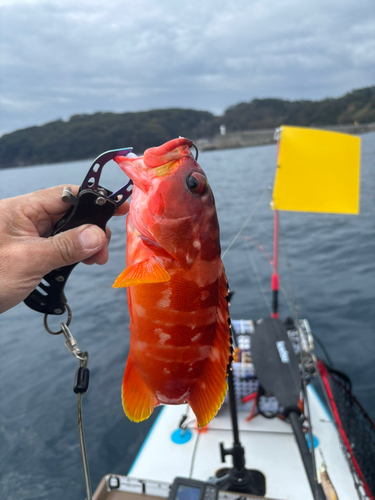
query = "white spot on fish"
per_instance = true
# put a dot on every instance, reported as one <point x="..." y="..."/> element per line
<point x="166" y="371"/>
<point x="197" y="244"/>
<point x="204" y="351"/>
<point x="139" y="310"/>
<point x="165" y="301"/>
<point x="196" y="337"/>
<point x="204" y="295"/>
<point x="215" y="354"/>
<point x="162" y="335"/>
<point x="203" y="385"/>
<point x="220" y="315"/>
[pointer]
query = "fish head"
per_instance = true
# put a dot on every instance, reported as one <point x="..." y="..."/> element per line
<point x="172" y="202"/>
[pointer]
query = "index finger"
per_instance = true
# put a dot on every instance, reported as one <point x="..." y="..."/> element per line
<point x="50" y="199"/>
<point x="52" y="204"/>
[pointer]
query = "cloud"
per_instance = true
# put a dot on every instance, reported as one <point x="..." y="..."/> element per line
<point x="65" y="57"/>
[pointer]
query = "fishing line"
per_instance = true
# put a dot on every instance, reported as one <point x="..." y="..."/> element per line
<point x="282" y="288"/>
<point x="310" y="430"/>
<point x="81" y="384"/>
<point x="294" y="313"/>
<point x="246" y="221"/>
<point x="289" y="302"/>
<point x="321" y="345"/>
<point x="268" y="305"/>
<point x="194" y="454"/>
<point x="289" y="271"/>
<point x="260" y="248"/>
<point x="250" y="431"/>
<point x="304" y="377"/>
<point x="294" y="300"/>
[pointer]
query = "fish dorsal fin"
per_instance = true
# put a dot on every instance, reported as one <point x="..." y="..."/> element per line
<point x="146" y="271"/>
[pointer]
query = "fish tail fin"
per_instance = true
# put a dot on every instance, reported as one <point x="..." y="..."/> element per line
<point x="138" y="400"/>
<point x="209" y="392"/>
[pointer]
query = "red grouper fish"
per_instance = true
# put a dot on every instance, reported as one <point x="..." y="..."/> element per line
<point x="180" y="343"/>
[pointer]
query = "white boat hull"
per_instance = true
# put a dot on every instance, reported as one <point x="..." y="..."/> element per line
<point x="270" y="447"/>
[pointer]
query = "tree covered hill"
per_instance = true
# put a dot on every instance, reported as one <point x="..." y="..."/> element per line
<point x="86" y="136"/>
<point x="358" y="106"/>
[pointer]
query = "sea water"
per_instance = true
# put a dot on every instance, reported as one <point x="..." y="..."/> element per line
<point x="327" y="268"/>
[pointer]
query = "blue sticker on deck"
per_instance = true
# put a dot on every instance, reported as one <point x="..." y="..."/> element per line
<point x="181" y="437"/>
<point x="315" y="441"/>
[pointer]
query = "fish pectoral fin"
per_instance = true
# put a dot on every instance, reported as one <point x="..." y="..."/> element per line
<point x="137" y="398"/>
<point x="147" y="271"/>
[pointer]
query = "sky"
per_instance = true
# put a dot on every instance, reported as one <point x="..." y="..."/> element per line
<point x="64" y="57"/>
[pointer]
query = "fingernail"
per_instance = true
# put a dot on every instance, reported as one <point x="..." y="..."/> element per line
<point x="91" y="237"/>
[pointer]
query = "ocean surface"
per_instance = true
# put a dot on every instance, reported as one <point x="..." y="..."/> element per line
<point x="327" y="267"/>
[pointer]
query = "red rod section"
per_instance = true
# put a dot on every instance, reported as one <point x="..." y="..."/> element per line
<point x="275" y="276"/>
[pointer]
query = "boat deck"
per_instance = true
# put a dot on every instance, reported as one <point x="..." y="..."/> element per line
<point x="270" y="447"/>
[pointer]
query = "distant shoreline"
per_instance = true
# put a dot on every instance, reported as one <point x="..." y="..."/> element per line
<point x="247" y="124"/>
<point x="252" y="138"/>
<point x="240" y="139"/>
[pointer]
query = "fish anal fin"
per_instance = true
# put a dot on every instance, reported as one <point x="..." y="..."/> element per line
<point x="146" y="271"/>
<point x="138" y="400"/>
<point x="207" y="397"/>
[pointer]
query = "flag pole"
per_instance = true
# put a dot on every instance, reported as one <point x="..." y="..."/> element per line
<point x="275" y="275"/>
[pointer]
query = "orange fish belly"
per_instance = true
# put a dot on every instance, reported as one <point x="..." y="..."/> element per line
<point x="179" y="342"/>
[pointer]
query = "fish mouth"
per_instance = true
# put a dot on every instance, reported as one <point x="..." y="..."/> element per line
<point x="169" y="152"/>
<point x="156" y="162"/>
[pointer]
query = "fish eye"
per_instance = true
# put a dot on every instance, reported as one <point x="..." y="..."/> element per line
<point x="197" y="183"/>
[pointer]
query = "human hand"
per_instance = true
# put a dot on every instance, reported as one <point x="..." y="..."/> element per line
<point x="27" y="253"/>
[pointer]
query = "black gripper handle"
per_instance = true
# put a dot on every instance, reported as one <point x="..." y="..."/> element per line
<point x="92" y="207"/>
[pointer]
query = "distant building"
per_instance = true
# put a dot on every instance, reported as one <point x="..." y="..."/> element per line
<point x="223" y="129"/>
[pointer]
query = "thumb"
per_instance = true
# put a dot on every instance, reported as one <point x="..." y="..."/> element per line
<point x="72" y="246"/>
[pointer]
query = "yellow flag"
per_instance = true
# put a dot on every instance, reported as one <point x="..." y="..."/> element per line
<point x="317" y="171"/>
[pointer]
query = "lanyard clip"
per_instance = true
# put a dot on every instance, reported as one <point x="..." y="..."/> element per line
<point x="93" y="205"/>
